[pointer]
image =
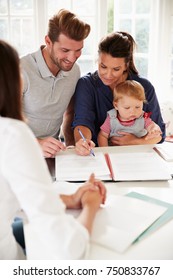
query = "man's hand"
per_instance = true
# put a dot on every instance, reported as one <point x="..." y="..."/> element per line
<point x="50" y="146"/>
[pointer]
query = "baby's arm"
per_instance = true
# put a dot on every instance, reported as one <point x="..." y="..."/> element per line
<point x="102" y="139"/>
<point x="103" y="135"/>
<point x="153" y="129"/>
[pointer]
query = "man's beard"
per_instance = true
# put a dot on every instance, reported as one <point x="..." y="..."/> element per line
<point x="59" y="64"/>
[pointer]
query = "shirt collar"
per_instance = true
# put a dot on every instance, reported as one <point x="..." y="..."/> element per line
<point x="43" y="69"/>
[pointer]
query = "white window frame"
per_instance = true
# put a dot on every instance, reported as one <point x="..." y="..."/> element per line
<point x="160" y="48"/>
<point x="40" y="18"/>
<point x="159" y="54"/>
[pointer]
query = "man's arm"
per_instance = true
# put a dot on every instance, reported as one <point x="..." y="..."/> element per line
<point x="66" y="125"/>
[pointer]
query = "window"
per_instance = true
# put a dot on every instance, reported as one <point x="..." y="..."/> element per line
<point x="17" y="24"/>
<point x="149" y="22"/>
<point x="134" y="17"/>
<point x="24" y="24"/>
<point x="171" y="53"/>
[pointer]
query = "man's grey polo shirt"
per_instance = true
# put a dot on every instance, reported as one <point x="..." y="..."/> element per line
<point x="46" y="97"/>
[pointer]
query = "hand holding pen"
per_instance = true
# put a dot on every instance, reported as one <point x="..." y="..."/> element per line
<point x="84" y="146"/>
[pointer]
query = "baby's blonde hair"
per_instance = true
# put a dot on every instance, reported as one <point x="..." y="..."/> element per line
<point x="129" y="88"/>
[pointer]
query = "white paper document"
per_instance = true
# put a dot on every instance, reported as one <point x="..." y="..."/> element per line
<point x="165" y="150"/>
<point x="138" y="166"/>
<point x="72" y="167"/>
<point x="122" y="220"/>
<point x="116" y="166"/>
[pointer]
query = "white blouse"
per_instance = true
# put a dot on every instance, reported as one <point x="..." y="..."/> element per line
<point x="25" y="183"/>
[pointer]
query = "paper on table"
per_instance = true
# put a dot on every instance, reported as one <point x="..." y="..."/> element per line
<point x="122" y="220"/>
<point x="72" y="167"/>
<point x="123" y="166"/>
<point x="167" y="216"/>
<point x="138" y="166"/>
<point x="165" y="150"/>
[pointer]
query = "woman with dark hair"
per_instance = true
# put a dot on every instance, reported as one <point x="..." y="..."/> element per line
<point x="25" y="182"/>
<point x="94" y="94"/>
<point x="10" y="83"/>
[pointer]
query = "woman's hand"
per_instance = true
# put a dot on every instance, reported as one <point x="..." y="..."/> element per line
<point x="74" y="201"/>
<point x="83" y="148"/>
<point x="127" y="139"/>
<point x="92" y="200"/>
<point x="98" y="184"/>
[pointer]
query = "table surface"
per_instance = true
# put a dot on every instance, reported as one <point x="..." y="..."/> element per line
<point x="158" y="245"/>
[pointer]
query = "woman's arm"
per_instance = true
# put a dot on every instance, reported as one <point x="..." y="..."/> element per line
<point x="131" y="139"/>
<point x="91" y="201"/>
<point x="88" y="197"/>
<point x="85" y="131"/>
<point x="85" y="114"/>
<point x="153" y="106"/>
<point x="62" y="236"/>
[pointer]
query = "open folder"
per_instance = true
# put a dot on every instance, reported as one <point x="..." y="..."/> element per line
<point x="122" y="166"/>
<point x="122" y="220"/>
<point x="163" y="219"/>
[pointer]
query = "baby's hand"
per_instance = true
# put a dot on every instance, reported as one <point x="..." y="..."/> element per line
<point x="153" y="131"/>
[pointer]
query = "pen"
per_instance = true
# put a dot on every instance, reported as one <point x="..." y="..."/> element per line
<point x="83" y="137"/>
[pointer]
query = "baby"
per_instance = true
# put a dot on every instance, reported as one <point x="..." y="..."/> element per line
<point x="128" y="114"/>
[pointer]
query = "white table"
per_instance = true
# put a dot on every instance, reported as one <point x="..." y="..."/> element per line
<point x="156" y="246"/>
